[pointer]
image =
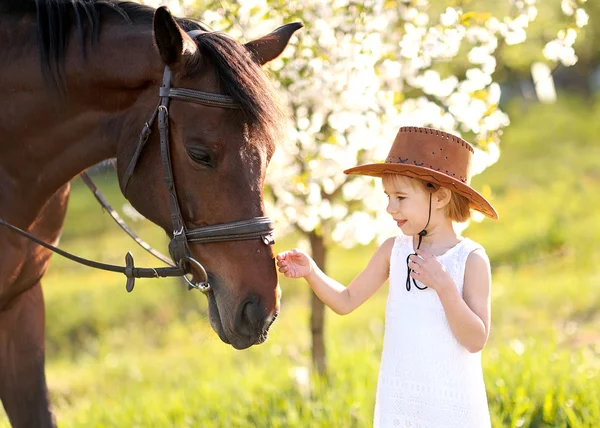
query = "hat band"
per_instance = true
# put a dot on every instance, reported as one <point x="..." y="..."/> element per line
<point x="395" y="160"/>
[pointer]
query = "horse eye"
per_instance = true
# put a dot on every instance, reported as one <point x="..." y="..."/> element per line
<point x="201" y="156"/>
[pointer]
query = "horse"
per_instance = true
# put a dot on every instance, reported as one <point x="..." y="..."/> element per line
<point x="81" y="81"/>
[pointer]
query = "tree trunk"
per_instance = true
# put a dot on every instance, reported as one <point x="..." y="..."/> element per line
<point x="317" y="317"/>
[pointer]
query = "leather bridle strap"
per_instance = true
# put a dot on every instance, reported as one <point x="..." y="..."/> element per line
<point x="178" y="247"/>
<point x="258" y="227"/>
<point x="142" y="139"/>
<point x="199" y="97"/>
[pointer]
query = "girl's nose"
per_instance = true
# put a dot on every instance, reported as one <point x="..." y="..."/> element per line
<point x="390" y="207"/>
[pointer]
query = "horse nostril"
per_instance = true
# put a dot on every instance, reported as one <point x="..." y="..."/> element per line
<point x="251" y="318"/>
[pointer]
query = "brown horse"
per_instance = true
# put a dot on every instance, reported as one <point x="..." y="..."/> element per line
<point x="79" y="79"/>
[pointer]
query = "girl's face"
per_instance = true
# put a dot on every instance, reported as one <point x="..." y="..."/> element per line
<point x="408" y="203"/>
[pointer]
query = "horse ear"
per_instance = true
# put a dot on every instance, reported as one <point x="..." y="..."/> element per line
<point x="172" y="42"/>
<point x="269" y="47"/>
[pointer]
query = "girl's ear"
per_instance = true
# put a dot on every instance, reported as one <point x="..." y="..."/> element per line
<point x="442" y="197"/>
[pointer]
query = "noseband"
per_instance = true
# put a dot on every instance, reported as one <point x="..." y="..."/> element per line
<point x="184" y="263"/>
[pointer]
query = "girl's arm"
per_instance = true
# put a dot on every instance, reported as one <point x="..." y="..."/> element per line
<point x="340" y="299"/>
<point x="468" y="315"/>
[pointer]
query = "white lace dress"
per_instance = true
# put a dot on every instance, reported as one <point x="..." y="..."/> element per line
<point x="426" y="378"/>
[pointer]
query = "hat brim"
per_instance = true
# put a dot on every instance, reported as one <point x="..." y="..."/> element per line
<point x="477" y="201"/>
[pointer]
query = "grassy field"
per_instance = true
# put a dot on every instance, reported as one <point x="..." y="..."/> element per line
<point x="150" y="359"/>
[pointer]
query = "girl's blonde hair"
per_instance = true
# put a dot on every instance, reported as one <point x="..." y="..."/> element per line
<point x="458" y="209"/>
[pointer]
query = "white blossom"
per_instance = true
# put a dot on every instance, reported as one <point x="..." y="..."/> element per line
<point x="449" y="17"/>
<point x="568" y="7"/>
<point x="581" y="18"/>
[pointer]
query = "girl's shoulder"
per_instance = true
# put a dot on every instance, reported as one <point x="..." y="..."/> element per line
<point x="476" y="254"/>
<point x="473" y="257"/>
<point x="462" y="252"/>
<point x="392" y="245"/>
<point x="389" y="245"/>
<point x="471" y="247"/>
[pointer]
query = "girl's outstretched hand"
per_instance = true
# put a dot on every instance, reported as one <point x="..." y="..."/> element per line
<point x="294" y="263"/>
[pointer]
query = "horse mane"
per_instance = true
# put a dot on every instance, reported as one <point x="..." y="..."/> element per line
<point x="238" y="74"/>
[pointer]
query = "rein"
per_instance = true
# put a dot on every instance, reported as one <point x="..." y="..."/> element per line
<point x="183" y="262"/>
<point x="129" y="270"/>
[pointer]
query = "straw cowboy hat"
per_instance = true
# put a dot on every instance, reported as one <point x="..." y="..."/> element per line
<point x="432" y="156"/>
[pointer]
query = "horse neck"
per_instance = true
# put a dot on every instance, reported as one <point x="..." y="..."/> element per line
<point x="47" y="139"/>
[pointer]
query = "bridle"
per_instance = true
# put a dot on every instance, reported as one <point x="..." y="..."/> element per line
<point x="258" y="227"/>
<point x="254" y="228"/>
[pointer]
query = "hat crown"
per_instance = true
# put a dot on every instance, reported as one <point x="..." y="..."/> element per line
<point x="433" y="149"/>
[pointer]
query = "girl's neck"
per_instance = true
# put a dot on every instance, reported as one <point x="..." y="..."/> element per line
<point x="440" y="237"/>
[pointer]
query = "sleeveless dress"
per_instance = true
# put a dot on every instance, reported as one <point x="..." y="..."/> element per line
<point x="427" y="379"/>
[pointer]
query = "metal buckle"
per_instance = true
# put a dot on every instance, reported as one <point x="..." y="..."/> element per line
<point x="268" y="239"/>
<point x="202" y="286"/>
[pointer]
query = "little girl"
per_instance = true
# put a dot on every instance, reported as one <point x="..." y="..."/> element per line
<point x="438" y="307"/>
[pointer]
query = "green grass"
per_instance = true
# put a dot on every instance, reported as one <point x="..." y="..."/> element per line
<point x="150" y="359"/>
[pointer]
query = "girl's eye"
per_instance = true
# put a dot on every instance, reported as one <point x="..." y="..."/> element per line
<point x="397" y="197"/>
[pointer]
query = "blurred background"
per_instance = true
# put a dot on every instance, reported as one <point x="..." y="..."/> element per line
<point x="518" y="79"/>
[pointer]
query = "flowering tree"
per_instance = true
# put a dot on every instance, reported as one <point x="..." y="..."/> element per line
<point x="359" y="71"/>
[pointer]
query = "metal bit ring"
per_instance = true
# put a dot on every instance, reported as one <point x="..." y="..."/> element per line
<point x="202" y="286"/>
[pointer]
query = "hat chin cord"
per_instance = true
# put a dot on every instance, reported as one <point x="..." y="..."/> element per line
<point x="421" y="235"/>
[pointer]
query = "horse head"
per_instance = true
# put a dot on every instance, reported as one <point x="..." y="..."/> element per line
<point x="218" y="154"/>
